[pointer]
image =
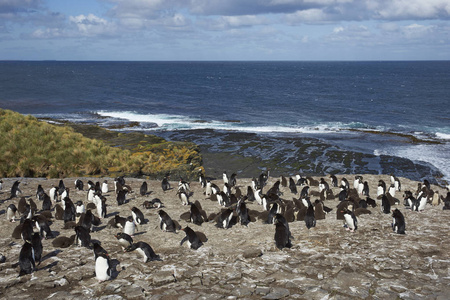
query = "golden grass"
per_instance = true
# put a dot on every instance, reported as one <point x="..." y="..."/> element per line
<point x="33" y="148"/>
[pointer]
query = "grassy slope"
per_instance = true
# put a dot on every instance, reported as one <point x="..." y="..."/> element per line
<point x="34" y="148"/>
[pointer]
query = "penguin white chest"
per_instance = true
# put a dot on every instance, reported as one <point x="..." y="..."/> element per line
<point x="141" y="252"/>
<point x="105" y="188"/>
<point x="101" y="269"/>
<point x="349" y="220"/>
<point x="129" y="228"/>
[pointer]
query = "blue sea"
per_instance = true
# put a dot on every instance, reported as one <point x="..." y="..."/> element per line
<point x="308" y="117"/>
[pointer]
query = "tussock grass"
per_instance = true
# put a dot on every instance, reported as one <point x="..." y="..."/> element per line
<point x="33" y="148"/>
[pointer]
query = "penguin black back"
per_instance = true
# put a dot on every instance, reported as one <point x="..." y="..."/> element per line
<point x="192" y="238"/>
<point x="165" y="185"/>
<point x="143" y="189"/>
<point x="37" y="247"/>
<point x="398" y="225"/>
<point x="26" y="259"/>
<point x="310" y="219"/>
<point x="195" y="215"/>
<point x="281" y="236"/>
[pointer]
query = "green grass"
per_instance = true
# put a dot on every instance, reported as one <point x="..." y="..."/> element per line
<point x="33" y="148"/>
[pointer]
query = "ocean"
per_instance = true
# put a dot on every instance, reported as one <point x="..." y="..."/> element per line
<point x="312" y="118"/>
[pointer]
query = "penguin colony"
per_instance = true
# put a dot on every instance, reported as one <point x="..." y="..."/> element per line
<point x="279" y="205"/>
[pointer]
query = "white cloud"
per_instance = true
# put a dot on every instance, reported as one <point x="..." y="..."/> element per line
<point x="92" y="25"/>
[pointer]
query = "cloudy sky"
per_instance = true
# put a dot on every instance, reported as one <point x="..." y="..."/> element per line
<point x="225" y="29"/>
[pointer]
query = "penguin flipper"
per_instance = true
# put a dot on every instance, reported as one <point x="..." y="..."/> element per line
<point x="183" y="240"/>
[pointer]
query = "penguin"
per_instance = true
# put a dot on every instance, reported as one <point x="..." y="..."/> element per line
<point x="15" y="190"/>
<point x="91" y="185"/>
<point x="43" y="226"/>
<point x="358" y="178"/>
<point x="192" y="239"/>
<point x="208" y="188"/>
<point x="250" y="194"/>
<point x="11" y="212"/>
<point x="281" y="237"/>
<point x="69" y="211"/>
<point x="263" y="178"/>
<point x="137" y="215"/>
<point x="90" y="194"/>
<point x="125" y="240"/>
<point x="201" y="179"/>
<point x="310" y="219"/>
<point x="398" y="223"/>
<point x="343" y="194"/>
<point x="225" y="177"/>
<point x="165" y="185"/>
<point x="242" y="212"/>
<point x="103" y="269"/>
<point x="319" y="213"/>
<point x="350" y="220"/>
<point x="86" y="220"/>
<point x="79" y="185"/>
<point x="166" y="223"/>
<point x="121" y="197"/>
<point x="223" y="199"/>
<point x="385" y="205"/>
<point x="39" y="193"/>
<point x="224" y="219"/>
<point x="143" y="189"/>
<point x="274" y="209"/>
<point x="323" y="185"/>
<point x="27" y="230"/>
<point x="61" y="187"/>
<point x="396" y="182"/>
<point x="130" y="226"/>
<point x="101" y="207"/>
<point x="345" y="183"/>
<point x="391" y="190"/>
<point x="82" y="237"/>
<point x="119" y="222"/>
<point x="26" y="259"/>
<point x="436" y="199"/>
<point x="37" y="247"/>
<point x="2" y="257"/>
<point x="154" y="203"/>
<point x="292" y="186"/>
<point x="365" y="190"/>
<point x="79" y="208"/>
<point x="63" y="241"/>
<point x="233" y="181"/>
<point x="227" y="189"/>
<point x="53" y="193"/>
<point x="64" y="194"/>
<point x="46" y="202"/>
<point x="421" y="202"/>
<point x="360" y="187"/>
<point x="215" y="189"/>
<point x="59" y="212"/>
<point x="145" y="250"/>
<point x="183" y="196"/>
<point x="334" y="181"/>
<point x="195" y="216"/>
<point x="21" y="205"/>
<point x="1" y="184"/>
<point x="105" y="188"/>
<point x="381" y="189"/>
<point x="97" y="188"/>
<point x="301" y="181"/>
<point x="305" y="192"/>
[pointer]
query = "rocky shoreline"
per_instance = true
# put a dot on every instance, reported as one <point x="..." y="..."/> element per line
<point x="242" y="262"/>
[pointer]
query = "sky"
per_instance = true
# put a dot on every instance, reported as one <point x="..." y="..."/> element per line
<point x="148" y="30"/>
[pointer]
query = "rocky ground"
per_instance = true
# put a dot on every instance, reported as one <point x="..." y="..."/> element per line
<point x="325" y="262"/>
